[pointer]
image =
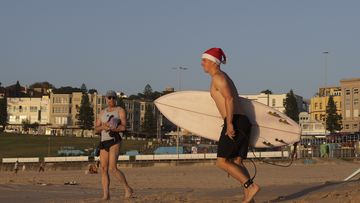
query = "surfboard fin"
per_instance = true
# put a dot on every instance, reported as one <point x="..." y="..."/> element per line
<point x="284" y="121"/>
<point x="274" y="114"/>
<point x="282" y="141"/>
<point x="268" y="144"/>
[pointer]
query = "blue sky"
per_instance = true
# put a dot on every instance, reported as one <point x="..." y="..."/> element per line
<point x="123" y="45"/>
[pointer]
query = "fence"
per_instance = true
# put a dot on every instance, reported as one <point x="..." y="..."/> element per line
<point x="156" y="157"/>
<point x="315" y="151"/>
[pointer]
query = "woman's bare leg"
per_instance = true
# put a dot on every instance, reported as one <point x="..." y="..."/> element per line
<point x="113" y="157"/>
<point x="104" y="162"/>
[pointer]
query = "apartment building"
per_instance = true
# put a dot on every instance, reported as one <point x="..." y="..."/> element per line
<point x="350" y="104"/>
<point x="31" y="109"/>
<point x="319" y="102"/>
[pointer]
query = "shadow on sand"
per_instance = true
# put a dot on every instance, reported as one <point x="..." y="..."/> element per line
<point x="309" y="190"/>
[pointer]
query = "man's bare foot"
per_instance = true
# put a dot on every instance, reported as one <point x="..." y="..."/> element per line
<point x="105" y="198"/>
<point x="129" y="192"/>
<point x="250" y="193"/>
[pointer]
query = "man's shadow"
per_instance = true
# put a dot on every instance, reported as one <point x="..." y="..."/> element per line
<point x="308" y="190"/>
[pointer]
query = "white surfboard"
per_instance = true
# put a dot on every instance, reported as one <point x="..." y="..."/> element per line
<point x="196" y="112"/>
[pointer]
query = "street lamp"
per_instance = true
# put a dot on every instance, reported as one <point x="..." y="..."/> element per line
<point x="325" y="65"/>
<point x="179" y="69"/>
<point x="326" y="95"/>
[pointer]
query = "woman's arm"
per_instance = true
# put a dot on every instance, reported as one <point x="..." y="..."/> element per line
<point x="99" y="125"/>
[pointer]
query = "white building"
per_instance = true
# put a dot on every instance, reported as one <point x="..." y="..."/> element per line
<point x="310" y="127"/>
<point x="35" y="110"/>
<point x="32" y="109"/>
<point x="276" y="101"/>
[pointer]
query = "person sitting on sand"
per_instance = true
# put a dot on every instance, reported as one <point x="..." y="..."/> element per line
<point x="234" y="139"/>
<point x="92" y="169"/>
<point x="111" y="122"/>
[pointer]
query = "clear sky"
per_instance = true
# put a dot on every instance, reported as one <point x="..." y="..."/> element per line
<point x="123" y="45"/>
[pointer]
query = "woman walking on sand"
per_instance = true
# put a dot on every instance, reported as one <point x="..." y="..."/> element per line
<point x="111" y="122"/>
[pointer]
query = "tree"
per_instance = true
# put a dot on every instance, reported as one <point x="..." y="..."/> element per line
<point x="35" y="126"/>
<point x="66" y="90"/>
<point x="17" y="89"/>
<point x="3" y="113"/>
<point x="147" y="92"/>
<point x="45" y="85"/>
<point x="120" y="102"/>
<point x="333" y="120"/>
<point x="134" y="97"/>
<point x="26" y="125"/>
<point x="149" y="123"/>
<point x="291" y="107"/>
<point x="92" y="91"/>
<point x="83" y="88"/>
<point x="85" y="115"/>
<point x="155" y="95"/>
<point x="266" y="91"/>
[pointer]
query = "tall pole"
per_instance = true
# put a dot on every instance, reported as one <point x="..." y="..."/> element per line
<point x="179" y="69"/>
<point x="325" y="83"/>
<point x="325" y="66"/>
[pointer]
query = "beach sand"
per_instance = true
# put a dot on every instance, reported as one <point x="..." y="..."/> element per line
<point x="200" y="182"/>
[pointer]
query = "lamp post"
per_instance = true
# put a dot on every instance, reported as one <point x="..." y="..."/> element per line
<point x="325" y="83"/>
<point x="179" y="70"/>
<point x="325" y="66"/>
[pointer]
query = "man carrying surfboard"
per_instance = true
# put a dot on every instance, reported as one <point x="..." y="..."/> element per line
<point x="234" y="138"/>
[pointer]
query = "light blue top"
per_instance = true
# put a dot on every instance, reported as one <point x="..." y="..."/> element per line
<point x="105" y="118"/>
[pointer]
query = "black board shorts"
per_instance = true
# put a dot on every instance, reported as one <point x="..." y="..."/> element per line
<point x="238" y="146"/>
<point x="108" y="143"/>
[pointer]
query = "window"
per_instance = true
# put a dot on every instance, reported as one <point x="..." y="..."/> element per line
<point x="355" y="126"/>
<point x="356" y="91"/>
<point x="347" y="92"/>
<point x="33" y="108"/>
<point x="316" y="105"/>
<point x="347" y="126"/>
<point x="305" y="126"/>
<point x="356" y="113"/>
<point x="347" y="102"/>
<point x="356" y="102"/>
<point x="273" y="102"/>
<point x="61" y="120"/>
<point x="43" y="108"/>
<point x="347" y="113"/>
<point x="322" y="117"/>
<point x="316" y="117"/>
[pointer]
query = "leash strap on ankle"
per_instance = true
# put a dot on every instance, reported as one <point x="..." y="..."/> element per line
<point x="248" y="183"/>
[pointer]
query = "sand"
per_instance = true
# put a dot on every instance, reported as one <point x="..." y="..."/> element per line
<point x="201" y="182"/>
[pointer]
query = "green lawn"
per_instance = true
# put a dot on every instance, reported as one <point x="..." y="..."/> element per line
<point x="12" y="145"/>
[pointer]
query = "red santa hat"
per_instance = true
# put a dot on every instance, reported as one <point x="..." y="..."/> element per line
<point x="216" y="55"/>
